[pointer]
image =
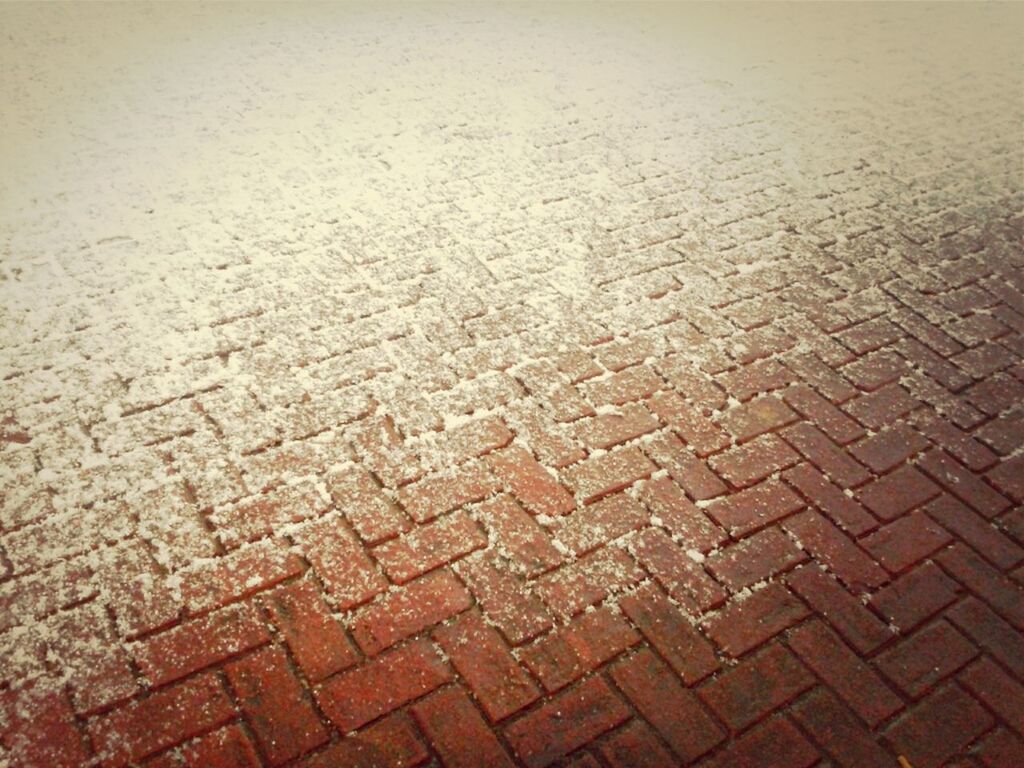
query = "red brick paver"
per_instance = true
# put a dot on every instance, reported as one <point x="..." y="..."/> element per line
<point x="471" y="386"/>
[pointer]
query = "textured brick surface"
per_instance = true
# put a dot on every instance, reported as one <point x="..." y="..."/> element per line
<point x="524" y="385"/>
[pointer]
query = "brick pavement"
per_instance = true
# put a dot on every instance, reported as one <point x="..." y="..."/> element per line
<point x="479" y="387"/>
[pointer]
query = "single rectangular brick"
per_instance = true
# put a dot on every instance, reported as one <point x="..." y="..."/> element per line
<point x="666" y="627"/>
<point x="479" y="654"/>
<point x="889" y="448"/>
<point x="764" y="682"/>
<point x="743" y="625"/>
<point x="434" y="495"/>
<point x="218" y="582"/>
<point x="839" y="554"/>
<point x="686" y="469"/>
<point x="926" y="657"/>
<point x="775" y="744"/>
<point x="838" y="731"/>
<point x="584" y="644"/>
<point x="842" y="510"/>
<point x="634" y="745"/>
<point x="316" y="639"/>
<point x="675" y="712"/>
<point x="757" y="557"/>
<point x="517" y="612"/>
<point x="565" y="723"/>
<point x="964" y="484"/>
<point x="855" y="682"/>
<point x="364" y="504"/>
<point x="338" y="558"/>
<point x="357" y="696"/>
<point x="608" y="473"/>
<point x="589" y="527"/>
<point x="676" y="570"/>
<point x="168" y="717"/>
<point x="587" y="581"/>
<point x="898" y="492"/>
<point x="430" y="546"/>
<point x="530" y="483"/>
<point x="882" y="407"/>
<point x="458" y="732"/>
<point x="277" y="708"/>
<point x="870" y="335"/>
<point x="906" y="541"/>
<point x="671" y="509"/>
<point x="745" y="511"/>
<point x="858" y="626"/>
<point x="179" y="651"/>
<point x="754" y="461"/>
<point x="939" y="727"/>
<point x="915" y="596"/>
<point x="974" y="530"/>
<point x="402" y="613"/>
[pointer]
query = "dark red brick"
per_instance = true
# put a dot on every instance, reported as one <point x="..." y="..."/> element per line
<point x="997" y="690"/>
<point x="995" y="636"/>
<point x="171" y="655"/>
<point x="529" y="482"/>
<point x="634" y="745"/>
<point x="691" y="473"/>
<point x="839" y="554"/>
<point x="394" y="742"/>
<point x="681" y="576"/>
<point x="430" y="546"/>
<point x="671" y="509"/>
<point x="608" y="473"/>
<point x="842" y="510"/>
<point x="926" y="657"/>
<point x="233" y="577"/>
<point x="588" y="581"/>
<point x="774" y="744"/>
<point x="964" y="484"/>
<point x="915" y="596"/>
<point x="814" y="446"/>
<point x="493" y="674"/>
<point x="227" y="747"/>
<point x="516" y="612"/>
<point x="317" y="641"/>
<point x="762" y="683"/>
<point x="566" y="722"/>
<point x="839" y="427"/>
<point x="674" y="637"/>
<point x="38" y="728"/>
<point x="520" y="538"/>
<point x="839" y="732"/>
<point x="882" y="407"/>
<point x="758" y="557"/>
<point x="839" y="667"/>
<point x="589" y="527"/>
<point x="745" y="511"/>
<point x="753" y="418"/>
<point x="276" y="706"/>
<point x="974" y="530"/>
<point x="168" y="717"/>
<point x="897" y="493"/>
<point x="676" y="713"/>
<point x="889" y="448"/>
<point x="1006" y="597"/>
<point x="572" y="651"/>
<point x="754" y="461"/>
<point x="402" y="613"/>
<point x="356" y="696"/>
<point x="939" y="727"/>
<point x="746" y="624"/>
<point x="458" y="732"/>
<point x="906" y="541"/>
<point x="700" y="434"/>
<point x="858" y="626"/>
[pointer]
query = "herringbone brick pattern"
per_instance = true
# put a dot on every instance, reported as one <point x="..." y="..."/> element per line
<point x="684" y="428"/>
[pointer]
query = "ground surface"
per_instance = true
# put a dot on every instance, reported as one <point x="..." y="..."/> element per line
<point x="590" y="387"/>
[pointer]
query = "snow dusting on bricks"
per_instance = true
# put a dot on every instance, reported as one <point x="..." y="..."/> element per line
<point x="394" y="386"/>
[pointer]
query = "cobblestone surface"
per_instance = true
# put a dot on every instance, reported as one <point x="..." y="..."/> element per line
<point x="588" y="387"/>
